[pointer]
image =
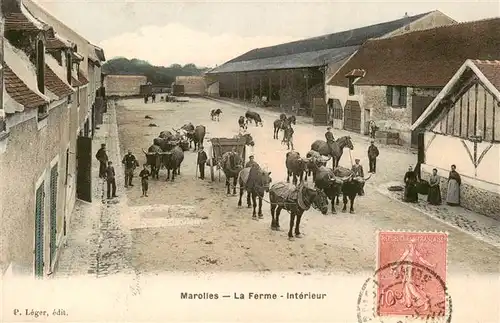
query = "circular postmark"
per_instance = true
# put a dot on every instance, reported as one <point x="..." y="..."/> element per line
<point x="403" y="292"/>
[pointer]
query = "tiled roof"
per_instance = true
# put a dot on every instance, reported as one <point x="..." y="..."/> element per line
<point x="19" y="91"/>
<point x="19" y="22"/>
<point x="75" y="82"/>
<point x="356" y="73"/>
<point x="82" y="79"/>
<point x="423" y="58"/>
<point x="490" y="69"/>
<point x="56" y="43"/>
<point x="301" y="60"/>
<point x="348" y="38"/>
<point x="100" y="54"/>
<point x="55" y="84"/>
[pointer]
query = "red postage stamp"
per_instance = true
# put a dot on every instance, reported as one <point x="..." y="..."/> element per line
<point x="411" y="274"/>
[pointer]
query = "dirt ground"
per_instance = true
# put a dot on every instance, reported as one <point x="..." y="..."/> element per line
<point x="195" y="226"/>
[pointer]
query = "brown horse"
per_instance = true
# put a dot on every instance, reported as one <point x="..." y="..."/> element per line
<point x="335" y="151"/>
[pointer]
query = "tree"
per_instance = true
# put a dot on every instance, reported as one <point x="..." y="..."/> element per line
<point x="155" y="74"/>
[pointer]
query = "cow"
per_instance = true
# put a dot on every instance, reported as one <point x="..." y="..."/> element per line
<point x="296" y="166"/>
<point x="331" y="185"/>
<point x="172" y="160"/>
<point x="189" y="129"/>
<point x="296" y="200"/>
<point x="351" y="186"/>
<point x="215" y="113"/>
<point x="241" y="123"/>
<point x="256" y="182"/>
<point x="199" y="136"/>
<point x="335" y="151"/>
<point x="250" y="115"/>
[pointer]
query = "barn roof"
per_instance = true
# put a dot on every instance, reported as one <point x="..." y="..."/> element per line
<point x="19" y="91"/>
<point x="24" y="21"/>
<point x="423" y="58"/>
<point x="488" y="73"/>
<point x="55" y="84"/>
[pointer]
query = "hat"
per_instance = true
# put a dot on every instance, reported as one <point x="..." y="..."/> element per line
<point x="251" y="155"/>
<point x="372" y="141"/>
<point x="201" y="147"/>
<point x="357" y="159"/>
<point x="329" y="128"/>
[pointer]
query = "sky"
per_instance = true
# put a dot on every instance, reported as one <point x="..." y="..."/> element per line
<point x="210" y="33"/>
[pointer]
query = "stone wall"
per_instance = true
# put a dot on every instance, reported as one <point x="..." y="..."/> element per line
<point x="124" y="85"/>
<point x="472" y="198"/>
<point x="388" y="118"/>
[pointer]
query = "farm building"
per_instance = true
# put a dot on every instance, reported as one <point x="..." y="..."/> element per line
<point x="393" y="80"/>
<point x="193" y="85"/>
<point x="124" y="85"/>
<point x="461" y="126"/>
<point x="47" y="111"/>
<point x="294" y="73"/>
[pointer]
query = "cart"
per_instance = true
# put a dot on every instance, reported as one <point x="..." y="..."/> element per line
<point x="220" y="146"/>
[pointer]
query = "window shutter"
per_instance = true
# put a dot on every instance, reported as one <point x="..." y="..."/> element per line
<point x="389" y="96"/>
<point x="402" y="97"/>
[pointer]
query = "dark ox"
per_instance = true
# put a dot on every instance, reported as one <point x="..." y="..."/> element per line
<point x="340" y="181"/>
<point x="199" y="136"/>
<point x="231" y="164"/>
<point x="154" y="160"/>
<point x="256" y="182"/>
<point x="172" y="160"/>
<point x="250" y="115"/>
<point x="215" y="113"/>
<point x="296" y="200"/>
<point x="315" y="160"/>
<point x="296" y="166"/>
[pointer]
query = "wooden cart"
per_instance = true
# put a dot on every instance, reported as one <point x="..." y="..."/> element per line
<point x="220" y="146"/>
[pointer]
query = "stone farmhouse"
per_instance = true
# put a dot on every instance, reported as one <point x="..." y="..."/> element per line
<point x="293" y="74"/>
<point x="461" y="126"/>
<point x="51" y="80"/>
<point x="393" y="80"/>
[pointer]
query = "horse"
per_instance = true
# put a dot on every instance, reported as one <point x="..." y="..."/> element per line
<point x="215" y="113"/>
<point x="256" y="182"/>
<point x="296" y="200"/>
<point x="231" y="171"/>
<point x="335" y="151"/>
<point x="278" y="125"/>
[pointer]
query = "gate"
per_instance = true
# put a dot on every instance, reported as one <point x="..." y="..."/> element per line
<point x="84" y="168"/>
<point x="418" y="105"/>
<point x="320" y="113"/>
<point x="40" y="199"/>
<point x="53" y="212"/>
<point x="352" y="116"/>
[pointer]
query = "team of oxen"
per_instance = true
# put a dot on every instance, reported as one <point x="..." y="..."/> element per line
<point x="168" y="149"/>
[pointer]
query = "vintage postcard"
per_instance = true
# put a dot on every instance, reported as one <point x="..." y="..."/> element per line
<point x="189" y="161"/>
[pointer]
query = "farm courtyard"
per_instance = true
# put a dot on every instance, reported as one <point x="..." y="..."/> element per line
<point x="191" y="225"/>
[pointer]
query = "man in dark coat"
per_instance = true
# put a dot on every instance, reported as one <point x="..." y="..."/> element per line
<point x="201" y="161"/>
<point x="130" y="163"/>
<point x="330" y="139"/>
<point x="410" y="179"/>
<point x="251" y="162"/>
<point x="110" y="179"/>
<point x="102" y="157"/>
<point x="372" y="157"/>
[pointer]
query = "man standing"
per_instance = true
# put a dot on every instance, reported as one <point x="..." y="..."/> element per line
<point x="110" y="179"/>
<point x="144" y="175"/>
<point x="251" y="162"/>
<point x="372" y="157"/>
<point x="130" y="163"/>
<point x="102" y="157"/>
<point x="201" y="161"/>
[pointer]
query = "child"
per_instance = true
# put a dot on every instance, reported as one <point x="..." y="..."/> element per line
<point x="144" y="175"/>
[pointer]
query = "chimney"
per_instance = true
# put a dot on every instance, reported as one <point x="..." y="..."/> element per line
<point x="406" y="17"/>
<point x="11" y="6"/>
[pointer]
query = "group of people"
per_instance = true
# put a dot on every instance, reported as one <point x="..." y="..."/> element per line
<point x="107" y="172"/>
<point x="434" y="195"/>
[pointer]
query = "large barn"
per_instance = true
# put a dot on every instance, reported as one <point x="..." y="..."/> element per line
<point x="293" y="74"/>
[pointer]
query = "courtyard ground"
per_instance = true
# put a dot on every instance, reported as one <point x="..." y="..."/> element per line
<point x="192" y="225"/>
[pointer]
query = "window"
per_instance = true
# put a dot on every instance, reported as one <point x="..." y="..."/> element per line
<point x="396" y="96"/>
<point x="40" y="66"/>
<point x="69" y="64"/>
<point x="351" y="85"/>
<point x="78" y="96"/>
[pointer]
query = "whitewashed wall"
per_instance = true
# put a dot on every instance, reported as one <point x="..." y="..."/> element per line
<point x="443" y="151"/>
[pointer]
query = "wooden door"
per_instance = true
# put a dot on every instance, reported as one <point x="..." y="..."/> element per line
<point x="84" y="166"/>
<point x="418" y="106"/>
<point x="320" y="112"/>
<point x="352" y="116"/>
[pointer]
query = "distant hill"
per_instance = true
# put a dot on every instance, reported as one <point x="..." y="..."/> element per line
<point x="155" y="74"/>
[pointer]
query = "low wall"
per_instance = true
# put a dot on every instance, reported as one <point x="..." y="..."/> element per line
<point x="471" y="197"/>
